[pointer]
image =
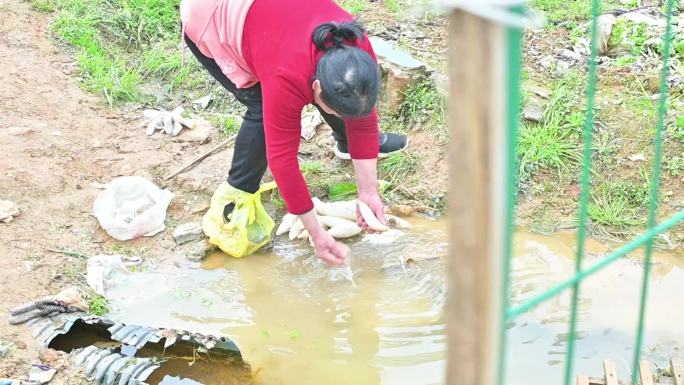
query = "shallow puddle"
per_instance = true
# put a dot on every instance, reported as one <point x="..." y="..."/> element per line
<point x="380" y="322"/>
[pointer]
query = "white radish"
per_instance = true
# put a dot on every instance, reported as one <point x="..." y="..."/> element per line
<point x="319" y="206"/>
<point x="397" y="222"/>
<point x="286" y="223"/>
<point x="303" y="235"/>
<point x="344" y="209"/>
<point x="345" y="230"/>
<point x="328" y="222"/>
<point x="296" y="229"/>
<point x="370" y="218"/>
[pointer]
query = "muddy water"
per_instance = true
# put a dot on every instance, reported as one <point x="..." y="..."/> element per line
<point x="380" y="322"/>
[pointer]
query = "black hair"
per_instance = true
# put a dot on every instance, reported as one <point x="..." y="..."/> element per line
<point x="349" y="76"/>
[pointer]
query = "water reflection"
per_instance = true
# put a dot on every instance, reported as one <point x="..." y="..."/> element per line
<point x="298" y="322"/>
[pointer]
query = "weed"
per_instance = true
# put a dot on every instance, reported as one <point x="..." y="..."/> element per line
<point x="312" y="168"/>
<point x="73" y="272"/>
<point x="676" y="130"/>
<point x="610" y="208"/>
<point x="98" y="304"/>
<point x="46" y="6"/>
<point x="552" y="143"/>
<point x="161" y="61"/>
<point x="628" y="34"/>
<point x="393" y="6"/>
<point x="422" y="103"/>
<point x="625" y="60"/>
<point x="353" y="6"/>
<point x="572" y="11"/>
<point x="675" y="166"/>
<point x="276" y="199"/>
<point x="399" y="167"/>
<point x="227" y="124"/>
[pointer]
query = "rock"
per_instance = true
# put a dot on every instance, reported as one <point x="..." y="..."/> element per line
<point x="533" y="112"/>
<point x="20" y="131"/>
<point x="399" y="71"/>
<point x="41" y="374"/>
<point x="546" y="62"/>
<point x="199" y="133"/>
<point x="187" y="232"/>
<point x="637" y="158"/>
<point x="562" y="68"/>
<point x="570" y="55"/>
<point x="198" y="250"/>
<point x="8" y="210"/>
<point x="606" y="23"/>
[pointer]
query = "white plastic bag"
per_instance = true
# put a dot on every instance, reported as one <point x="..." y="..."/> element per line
<point x="131" y="207"/>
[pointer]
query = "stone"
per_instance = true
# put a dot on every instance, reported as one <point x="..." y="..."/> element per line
<point x="8" y="210"/>
<point x="562" y="68"/>
<point x="187" y="232"/>
<point x="606" y="24"/>
<point x="570" y="55"/>
<point x="20" y="131"/>
<point x="196" y="251"/>
<point x="199" y="133"/>
<point x="399" y="71"/>
<point x="533" y="112"/>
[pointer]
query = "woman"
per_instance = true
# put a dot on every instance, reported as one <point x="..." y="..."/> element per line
<point x="276" y="57"/>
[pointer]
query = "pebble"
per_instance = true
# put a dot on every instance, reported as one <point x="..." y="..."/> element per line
<point x="187" y="232"/>
<point x="533" y="112"/>
<point x="197" y="251"/>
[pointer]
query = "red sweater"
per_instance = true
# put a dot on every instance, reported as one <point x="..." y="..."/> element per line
<point x="278" y="48"/>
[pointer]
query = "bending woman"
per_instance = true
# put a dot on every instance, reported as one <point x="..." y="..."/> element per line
<point x="276" y="57"/>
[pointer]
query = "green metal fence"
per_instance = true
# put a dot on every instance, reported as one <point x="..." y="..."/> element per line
<point x="654" y="228"/>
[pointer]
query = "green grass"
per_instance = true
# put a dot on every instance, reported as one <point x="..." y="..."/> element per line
<point x="227" y="124"/>
<point x="611" y="207"/>
<point x="400" y="168"/>
<point x="393" y="6"/>
<point x="675" y="165"/>
<point x="353" y="6"/>
<point x="120" y="45"/>
<point x="553" y="143"/>
<point x="676" y="130"/>
<point x="570" y="11"/>
<point x="98" y="304"/>
<point x="422" y="103"/>
<point x="45" y="6"/>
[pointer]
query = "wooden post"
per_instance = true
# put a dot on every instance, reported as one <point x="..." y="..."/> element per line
<point x="477" y="153"/>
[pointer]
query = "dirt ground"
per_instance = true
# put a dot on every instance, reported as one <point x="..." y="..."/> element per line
<point x="56" y="141"/>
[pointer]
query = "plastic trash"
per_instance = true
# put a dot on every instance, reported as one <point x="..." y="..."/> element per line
<point x="41" y="374"/>
<point x="101" y="269"/>
<point x="131" y="207"/>
<point x="249" y="227"/>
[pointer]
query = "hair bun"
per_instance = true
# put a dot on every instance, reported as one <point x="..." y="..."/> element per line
<point x="332" y="35"/>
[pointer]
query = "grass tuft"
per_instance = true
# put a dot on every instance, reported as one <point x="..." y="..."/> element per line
<point x="98" y="304"/>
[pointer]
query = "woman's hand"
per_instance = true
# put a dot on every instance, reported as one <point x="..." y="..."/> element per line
<point x="331" y="252"/>
<point x="373" y="200"/>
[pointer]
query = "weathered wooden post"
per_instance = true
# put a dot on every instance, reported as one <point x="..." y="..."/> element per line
<point x="477" y="167"/>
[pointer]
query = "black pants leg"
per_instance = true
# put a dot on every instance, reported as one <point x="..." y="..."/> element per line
<point x="337" y="124"/>
<point x="249" y="154"/>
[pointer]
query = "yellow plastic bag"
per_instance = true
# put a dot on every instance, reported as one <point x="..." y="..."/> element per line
<point x="250" y="226"/>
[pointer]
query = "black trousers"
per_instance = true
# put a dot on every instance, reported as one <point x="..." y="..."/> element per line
<point x="249" y="156"/>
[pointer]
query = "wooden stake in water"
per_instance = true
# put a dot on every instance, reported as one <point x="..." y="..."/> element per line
<point x="477" y="188"/>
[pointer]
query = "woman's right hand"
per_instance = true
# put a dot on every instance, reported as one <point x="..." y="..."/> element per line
<point x="329" y="250"/>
